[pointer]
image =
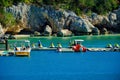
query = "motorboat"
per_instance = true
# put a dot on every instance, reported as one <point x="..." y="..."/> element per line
<point x="74" y="46"/>
<point x="77" y="45"/>
<point x="24" y="50"/>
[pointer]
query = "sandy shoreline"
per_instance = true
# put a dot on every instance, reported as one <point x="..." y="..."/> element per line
<point x="21" y="36"/>
<point x="25" y="36"/>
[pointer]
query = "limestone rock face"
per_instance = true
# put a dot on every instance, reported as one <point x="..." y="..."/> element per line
<point x="104" y="31"/>
<point x="110" y="21"/>
<point x="1" y="31"/>
<point x="96" y="19"/>
<point x="36" y="33"/>
<point x="117" y="12"/>
<point x="95" y="31"/>
<point x="112" y="18"/>
<point x="48" y="30"/>
<point x="64" y="32"/>
<point x="81" y="25"/>
<point x="15" y="29"/>
<point x="36" y="18"/>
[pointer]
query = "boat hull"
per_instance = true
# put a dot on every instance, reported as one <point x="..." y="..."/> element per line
<point x="22" y="53"/>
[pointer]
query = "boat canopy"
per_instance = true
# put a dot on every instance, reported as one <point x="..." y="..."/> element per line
<point x="78" y="41"/>
<point x="22" y="42"/>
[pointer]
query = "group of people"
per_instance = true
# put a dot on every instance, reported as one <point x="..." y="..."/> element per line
<point x="23" y="47"/>
<point x="51" y="45"/>
<point x="76" y="47"/>
<point x="114" y="46"/>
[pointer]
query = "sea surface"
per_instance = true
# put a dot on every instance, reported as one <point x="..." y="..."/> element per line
<point x="53" y="65"/>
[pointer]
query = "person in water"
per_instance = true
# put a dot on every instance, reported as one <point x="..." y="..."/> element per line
<point x="15" y="47"/>
<point x="40" y="44"/>
<point x="23" y="47"/>
<point x="116" y="45"/>
<point x="59" y="45"/>
<point x="109" y="46"/>
<point x="71" y="43"/>
<point x="52" y="45"/>
<point x="33" y="45"/>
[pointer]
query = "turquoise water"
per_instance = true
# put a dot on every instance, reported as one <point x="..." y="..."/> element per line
<point x="51" y="65"/>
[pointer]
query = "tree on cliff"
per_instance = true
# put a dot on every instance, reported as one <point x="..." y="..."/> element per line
<point x="84" y="6"/>
<point x="104" y="6"/>
<point x="7" y="19"/>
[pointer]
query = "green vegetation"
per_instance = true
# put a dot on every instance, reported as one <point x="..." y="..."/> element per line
<point x="7" y="19"/>
<point x="78" y="6"/>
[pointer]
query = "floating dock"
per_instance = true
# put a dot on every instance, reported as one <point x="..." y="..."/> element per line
<point x="71" y="50"/>
<point x="103" y="49"/>
<point x="93" y="50"/>
<point x="65" y="50"/>
<point x="6" y="53"/>
<point x="44" y="49"/>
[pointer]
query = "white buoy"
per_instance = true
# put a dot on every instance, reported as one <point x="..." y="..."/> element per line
<point x="81" y="49"/>
<point x="59" y="49"/>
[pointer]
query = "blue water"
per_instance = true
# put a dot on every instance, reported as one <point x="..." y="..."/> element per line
<point x="52" y="65"/>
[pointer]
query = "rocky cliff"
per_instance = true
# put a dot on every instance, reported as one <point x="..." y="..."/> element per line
<point x="111" y="21"/>
<point x="1" y="31"/>
<point x="46" y="19"/>
<point x="37" y="17"/>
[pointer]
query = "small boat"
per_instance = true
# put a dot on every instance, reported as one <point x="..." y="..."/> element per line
<point x="6" y="53"/>
<point x="78" y="47"/>
<point x="24" y="50"/>
<point x="75" y="46"/>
